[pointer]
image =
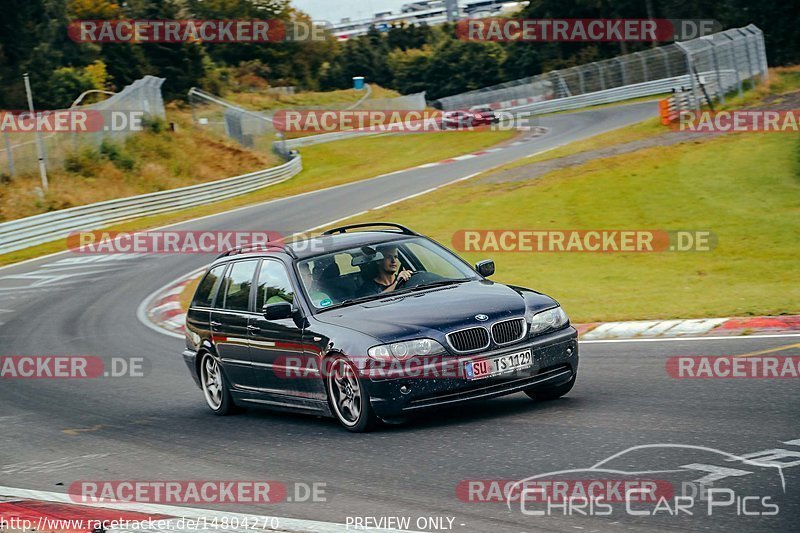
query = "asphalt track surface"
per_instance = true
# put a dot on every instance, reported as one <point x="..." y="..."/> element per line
<point x="54" y="432"/>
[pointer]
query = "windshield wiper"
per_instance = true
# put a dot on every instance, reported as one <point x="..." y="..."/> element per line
<point x="431" y="285"/>
<point x="351" y="301"/>
<point x="439" y="283"/>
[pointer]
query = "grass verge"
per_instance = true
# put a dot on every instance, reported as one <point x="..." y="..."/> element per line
<point x="325" y="165"/>
<point x="782" y="80"/>
<point x="264" y="101"/>
<point x="745" y="188"/>
<point x="148" y="161"/>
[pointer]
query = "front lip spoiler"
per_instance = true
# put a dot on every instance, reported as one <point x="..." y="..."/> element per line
<point x="557" y="337"/>
<point x="498" y="389"/>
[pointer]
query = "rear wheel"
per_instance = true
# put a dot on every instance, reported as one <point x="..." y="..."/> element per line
<point x="349" y="399"/>
<point x="550" y="393"/>
<point x="215" y="387"/>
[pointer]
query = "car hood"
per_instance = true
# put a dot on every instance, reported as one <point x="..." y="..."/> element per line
<point x="430" y="313"/>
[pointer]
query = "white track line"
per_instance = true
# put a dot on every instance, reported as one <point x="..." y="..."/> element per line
<point x="266" y="202"/>
<point x="285" y="524"/>
<point x="141" y="311"/>
<point x="330" y="223"/>
<point x="682" y="339"/>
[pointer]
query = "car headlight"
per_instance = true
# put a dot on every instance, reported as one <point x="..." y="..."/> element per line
<point x="551" y="319"/>
<point x="404" y="350"/>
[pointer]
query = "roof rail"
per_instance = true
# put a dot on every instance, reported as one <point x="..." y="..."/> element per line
<point x="343" y="229"/>
<point x="269" y="246"/>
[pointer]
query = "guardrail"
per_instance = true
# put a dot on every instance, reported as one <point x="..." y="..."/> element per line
<point x="616" y="94"/>
<point x="329" y="137"/>
<point x="38" y="229"/>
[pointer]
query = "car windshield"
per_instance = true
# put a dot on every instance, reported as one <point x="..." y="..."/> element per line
<point x="360" y="273"/>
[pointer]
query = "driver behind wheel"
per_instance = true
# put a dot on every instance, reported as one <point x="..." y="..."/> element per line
<point x="389" y="274"/>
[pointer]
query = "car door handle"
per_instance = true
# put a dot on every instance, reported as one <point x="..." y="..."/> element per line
<point x="251" y="327"/>
<point x="214" y="323"/>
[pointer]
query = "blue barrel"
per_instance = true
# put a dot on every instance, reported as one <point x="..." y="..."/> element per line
<point x="358" y="82"/>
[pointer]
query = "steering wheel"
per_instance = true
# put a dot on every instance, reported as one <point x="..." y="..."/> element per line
<point x="418" y="277"/>
<point x="402" y="282"/>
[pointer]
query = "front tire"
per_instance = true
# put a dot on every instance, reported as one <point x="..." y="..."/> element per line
<point x="545" y="394"/>
<point x="348" y="397"/>
<point x="215" y="386"/>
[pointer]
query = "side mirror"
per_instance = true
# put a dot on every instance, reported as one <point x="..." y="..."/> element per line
<point x="485" y="268"/>
<point x="278" y="311"/>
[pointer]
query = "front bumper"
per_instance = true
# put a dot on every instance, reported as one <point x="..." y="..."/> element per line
<point x="555" y="361"/>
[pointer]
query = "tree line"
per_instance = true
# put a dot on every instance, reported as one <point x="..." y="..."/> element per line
<point x="33" y="38"/>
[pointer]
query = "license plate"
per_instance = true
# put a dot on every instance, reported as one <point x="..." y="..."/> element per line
<point x="501" y="364"/>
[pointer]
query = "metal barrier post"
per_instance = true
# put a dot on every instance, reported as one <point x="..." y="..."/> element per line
<point x="760" y="50"/>
<point x="622" y="72"/>
<point x="747" y="53"/>
<point x="720" y="88"/>
<point x="689" y="69"/>
<point x="600" y="75"/>
<point x="731" y="42"/>
<point x="9" y="154"/>
<point x="666" y="61"/>
<point x="643" y="61"/>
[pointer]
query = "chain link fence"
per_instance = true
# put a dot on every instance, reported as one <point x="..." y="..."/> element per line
<point x="18" y="152"/>
<point x="726" y="61"/>
<point x="256" y="130"/>
<point x="225" y="119"/>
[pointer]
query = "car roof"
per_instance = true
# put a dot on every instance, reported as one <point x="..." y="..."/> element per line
<point x="325" y="244"/>
<point x="322" y="244"/>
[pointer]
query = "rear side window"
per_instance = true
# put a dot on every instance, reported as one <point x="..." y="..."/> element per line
<point x="238" y="283"/>
<point x="204" y="296"/>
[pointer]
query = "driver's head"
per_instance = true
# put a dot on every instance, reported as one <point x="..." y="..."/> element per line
<point x="390" y="263"/>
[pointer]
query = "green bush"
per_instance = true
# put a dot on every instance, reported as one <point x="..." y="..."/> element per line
<point x="82" y="160"/>
<point x="154" y="124"/>
<point x="117" y="155"/>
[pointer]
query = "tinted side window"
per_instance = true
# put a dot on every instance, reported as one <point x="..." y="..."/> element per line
<point x="237" y="285"/>
<point x="433" y="262"/>
<point x="204" y="296"/>
<point x="273" y="285"/>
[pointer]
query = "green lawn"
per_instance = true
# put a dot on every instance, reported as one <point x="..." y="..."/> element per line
<point x="261" y="100"/>
<point x="635" y="132"/>
<point x="744" y="188"/>
<point x="344" y="161"/>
